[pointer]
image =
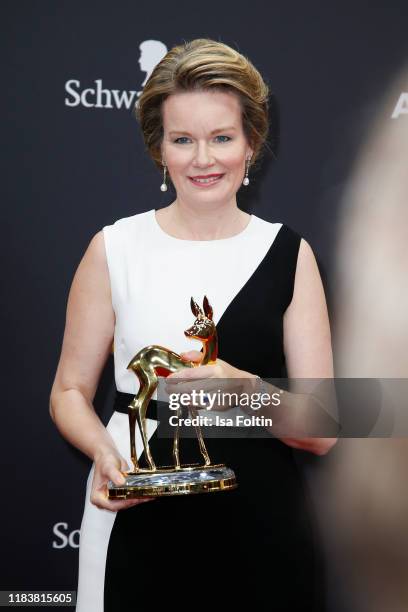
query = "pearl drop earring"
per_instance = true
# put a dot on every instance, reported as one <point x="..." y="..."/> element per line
<point x="163" y="186"/>
<point x="246" y="179"/>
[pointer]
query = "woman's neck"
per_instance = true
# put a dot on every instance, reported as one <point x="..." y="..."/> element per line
<point x="185" y="223"/>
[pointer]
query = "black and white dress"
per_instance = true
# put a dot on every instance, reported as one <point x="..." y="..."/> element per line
<point x="255" y="545"/>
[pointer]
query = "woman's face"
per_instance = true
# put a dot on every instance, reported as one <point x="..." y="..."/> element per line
<point x="203" y="135"/>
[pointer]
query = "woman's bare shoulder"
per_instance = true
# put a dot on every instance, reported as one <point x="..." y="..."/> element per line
<point x="96" y="248"/>
<point x="95" y="256"/>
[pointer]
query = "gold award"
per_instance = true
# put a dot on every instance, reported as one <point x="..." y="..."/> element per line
<point x="179" y="479"/>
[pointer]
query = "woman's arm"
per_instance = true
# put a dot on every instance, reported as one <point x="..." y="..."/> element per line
<point x="86" y="345"/>
<point x="88" y="335"/>
<point x="310" y="404"/>
<point x="307" y="338"/>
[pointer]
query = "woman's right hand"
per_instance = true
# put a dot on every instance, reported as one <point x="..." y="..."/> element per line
<point x="109" y="466"/>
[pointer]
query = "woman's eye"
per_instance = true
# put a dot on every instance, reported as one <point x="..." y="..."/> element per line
<point x="186" y="138"/>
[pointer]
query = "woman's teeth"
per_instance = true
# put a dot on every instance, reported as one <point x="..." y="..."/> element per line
<point x="207" y="180"/>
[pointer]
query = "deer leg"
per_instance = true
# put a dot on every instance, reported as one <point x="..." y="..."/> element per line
<point x="176" y="452"/>
<point x="141" y="421"/>
<point x="132" y="428"/>
<point x="203" y="448"/>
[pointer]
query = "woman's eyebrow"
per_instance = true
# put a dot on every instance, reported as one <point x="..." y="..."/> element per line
<point x="224" y="129"/>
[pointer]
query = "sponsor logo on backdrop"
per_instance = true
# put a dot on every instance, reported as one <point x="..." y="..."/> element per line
<point x="63" y="537"/>
<point x="95" y="95"/>
<point x="401" y="107"/>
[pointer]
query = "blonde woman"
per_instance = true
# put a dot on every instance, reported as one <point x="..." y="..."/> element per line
<point x="204" y="118"/>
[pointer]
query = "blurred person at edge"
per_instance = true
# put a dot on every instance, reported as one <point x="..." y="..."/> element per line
<point x="368" y="524"/>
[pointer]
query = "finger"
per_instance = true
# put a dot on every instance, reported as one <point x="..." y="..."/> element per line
<point x="196" y="356"/>
<point x="101" y="500"/>
<point x="123" y="504"/>
<point x="200" y="386"/>
<point x="124" y="466"/>
<point x="115" y="476"/>
<point x="198" y="373"/>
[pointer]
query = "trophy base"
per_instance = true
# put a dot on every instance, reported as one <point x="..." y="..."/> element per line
<point x="187" y="480"/>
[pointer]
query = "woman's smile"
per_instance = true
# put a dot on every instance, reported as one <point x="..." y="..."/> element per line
<point x="207" y="181"/>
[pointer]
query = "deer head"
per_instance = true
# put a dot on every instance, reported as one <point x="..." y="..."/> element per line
<point x="203" y="327"/>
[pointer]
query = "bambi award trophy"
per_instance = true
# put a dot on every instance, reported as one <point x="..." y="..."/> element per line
<point x="178" y="479"/>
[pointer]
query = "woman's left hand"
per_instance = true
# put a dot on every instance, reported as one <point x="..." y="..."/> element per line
<point x="209" y="379"/>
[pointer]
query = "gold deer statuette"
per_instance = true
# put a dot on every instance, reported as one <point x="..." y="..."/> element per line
<point x="153" y="359"/>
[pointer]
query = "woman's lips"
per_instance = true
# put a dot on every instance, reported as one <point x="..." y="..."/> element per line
<point x="207" y="182"/>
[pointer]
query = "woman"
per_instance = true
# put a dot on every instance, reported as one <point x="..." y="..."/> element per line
<point x="204" y="117"/>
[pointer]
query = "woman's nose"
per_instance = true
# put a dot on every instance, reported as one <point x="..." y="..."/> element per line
<point x="203" y="155"/>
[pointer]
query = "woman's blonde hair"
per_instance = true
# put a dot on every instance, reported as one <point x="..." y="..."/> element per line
<point x="204" y="64"/>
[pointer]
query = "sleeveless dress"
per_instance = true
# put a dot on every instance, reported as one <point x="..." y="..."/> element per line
<point x="256" y="545"/>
